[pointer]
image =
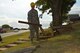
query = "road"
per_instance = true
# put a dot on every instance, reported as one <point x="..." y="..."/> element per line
<point x="12" y="33"/>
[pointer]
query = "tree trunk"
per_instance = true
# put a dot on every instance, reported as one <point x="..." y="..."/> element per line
<point x="56" y="12"/>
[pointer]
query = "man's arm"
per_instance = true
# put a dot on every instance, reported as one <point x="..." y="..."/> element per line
<point x="37" y="17"/>
<point x="29" y="17"/>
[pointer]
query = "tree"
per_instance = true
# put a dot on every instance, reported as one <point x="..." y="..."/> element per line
<point x="5" y="26"/>
<point x="58" y="8"/>
<point x="11" y="28"/>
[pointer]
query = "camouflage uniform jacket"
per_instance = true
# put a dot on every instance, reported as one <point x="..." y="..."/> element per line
<point x="33" y="18"/>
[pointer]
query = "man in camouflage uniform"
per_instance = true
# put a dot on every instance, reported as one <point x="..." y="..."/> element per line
<point x="33" y="18"/>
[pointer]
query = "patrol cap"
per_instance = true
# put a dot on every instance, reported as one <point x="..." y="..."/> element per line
<point x="32" y="4"/>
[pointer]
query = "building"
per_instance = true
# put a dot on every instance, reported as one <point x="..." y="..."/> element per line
<point x="73" y="17"/>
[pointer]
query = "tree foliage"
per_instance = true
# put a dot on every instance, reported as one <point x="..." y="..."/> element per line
<point x="5" y="26"/>
<point x="44" y="5"/>
<point x="58" y="8"/>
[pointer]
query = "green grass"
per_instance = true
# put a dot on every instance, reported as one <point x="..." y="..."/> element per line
<point x="65" y="43"/>
<point x="14" y="38"/>
<point x="60" y="44"/>
<point x="20" y="46"/>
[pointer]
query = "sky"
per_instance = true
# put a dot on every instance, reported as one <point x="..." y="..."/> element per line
<point x="76" y="8"/>
<point x="13" y="10"/>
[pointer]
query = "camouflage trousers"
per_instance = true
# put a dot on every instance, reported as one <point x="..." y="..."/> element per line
<point x="34" y="32"/>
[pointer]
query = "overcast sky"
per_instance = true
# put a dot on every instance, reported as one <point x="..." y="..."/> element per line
<point x="12" y="11"/>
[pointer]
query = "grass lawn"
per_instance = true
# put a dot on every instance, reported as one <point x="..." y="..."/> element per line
<point x="65" y="43"/>
<point x="14" y="38"/>
<point x="60" y="44"/>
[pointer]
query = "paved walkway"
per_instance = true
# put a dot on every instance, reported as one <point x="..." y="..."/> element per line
<point x="13" y="33"/>
<point x="25" y="50"/>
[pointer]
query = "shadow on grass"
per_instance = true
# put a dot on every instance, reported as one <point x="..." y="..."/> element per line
<point x="66" y="43"/>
